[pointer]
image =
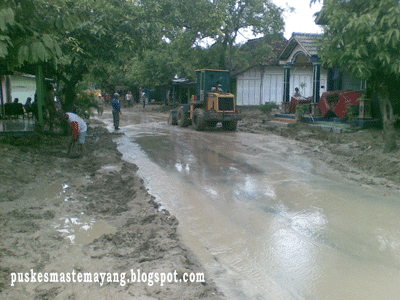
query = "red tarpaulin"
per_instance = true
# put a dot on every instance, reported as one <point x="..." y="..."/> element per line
<point x="338" y="102"/>
<point x="345" y="101"/>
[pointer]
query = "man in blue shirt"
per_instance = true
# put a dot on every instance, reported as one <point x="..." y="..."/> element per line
<point x="116" y="110"/>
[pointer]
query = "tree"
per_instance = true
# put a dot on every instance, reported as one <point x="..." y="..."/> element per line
<point x="263" y="50"/>
<point x="186" y="24"/>
<point x="108" y="32"/>
<point x="259" y="17"/>
<point x="29" y="31"/>
<point x="29" y="36"/>
<point x="363" y="37"/>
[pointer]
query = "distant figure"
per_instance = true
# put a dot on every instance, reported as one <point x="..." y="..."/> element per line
<point x="217" y="88"/>
<point x="28" y="105"/>
<point x="28" y="101"/>
<point x="116" y="110"/>
<point x="129" y="98"/>
<point x="79" y="129"/>
<point x="100" y="105"/>
<point x="297" y="93"/>
<point x="16" y="100"/>
<point x="144" y="99"/>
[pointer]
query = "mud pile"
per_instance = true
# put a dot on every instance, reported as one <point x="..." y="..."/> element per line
<point x="358" y="155"/>
<point x="62" y="214"/>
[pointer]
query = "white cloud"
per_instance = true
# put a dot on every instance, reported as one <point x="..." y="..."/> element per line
<point x="302" y="19"/>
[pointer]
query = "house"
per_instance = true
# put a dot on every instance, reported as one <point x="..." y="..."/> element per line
<point x="297" y="65"/>
<point x="263" y="81"/>
<point x="302" y="68"/>
<point x="276" y="80"/>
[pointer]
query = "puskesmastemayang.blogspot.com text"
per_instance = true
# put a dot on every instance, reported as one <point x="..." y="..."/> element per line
<point x="121" y="278"/>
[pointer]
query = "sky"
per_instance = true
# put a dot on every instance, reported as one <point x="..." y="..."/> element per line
<point x="301" y="20"/>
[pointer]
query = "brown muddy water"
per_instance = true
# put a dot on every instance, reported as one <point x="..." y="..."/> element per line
<point x="265" y="219"/>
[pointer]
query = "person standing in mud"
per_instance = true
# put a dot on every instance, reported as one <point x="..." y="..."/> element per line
<point x="144" y="99"/>
<point x="116" y="110"/>
<point x="129" y="98"/>
<point x="100" y="105"/>
<point x="79" y="129"/>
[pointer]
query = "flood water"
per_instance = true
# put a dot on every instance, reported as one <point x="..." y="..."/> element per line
<point x="266" y="221"/>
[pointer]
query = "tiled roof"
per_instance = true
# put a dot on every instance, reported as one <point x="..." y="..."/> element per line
<point x="308" y="41"/>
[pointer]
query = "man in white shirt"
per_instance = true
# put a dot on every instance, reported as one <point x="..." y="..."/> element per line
<point x="79" y="129"/>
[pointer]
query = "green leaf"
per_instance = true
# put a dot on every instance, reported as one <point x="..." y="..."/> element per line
<point x="3" y="49"/>
<point x="58" y="50"/>
<point x="7" y="17"/>
<point x="23" y="54"/>
<point x="39" y="52"/>
<point x="47" y="41"/>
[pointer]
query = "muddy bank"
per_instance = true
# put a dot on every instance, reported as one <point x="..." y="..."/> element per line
<point x="357" y="155"/>
<point x="86" y="215"/>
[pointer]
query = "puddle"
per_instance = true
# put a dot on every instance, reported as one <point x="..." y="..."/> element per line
<point x="80" y="232"/>
<point x="270" y="224"/>
<point x="110" y="169"/>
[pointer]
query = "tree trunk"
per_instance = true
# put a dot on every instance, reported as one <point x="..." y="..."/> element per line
<point x="388" y="120"/>
<point x="222" y="56"/>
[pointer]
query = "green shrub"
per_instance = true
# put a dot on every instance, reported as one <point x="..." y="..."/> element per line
<point x="85" y="102"/>
<point x="302" y="110"/>
<point x="268" y="107"/>
<point x="352" y="113"/>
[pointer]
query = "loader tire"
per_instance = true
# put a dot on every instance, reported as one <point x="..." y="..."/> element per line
<point x="212" y="124"/>
<point x="198" y="119"/>
<point x="229" y="125"/>
<point x="183" y="118"/>
<point x="172" y="120"/>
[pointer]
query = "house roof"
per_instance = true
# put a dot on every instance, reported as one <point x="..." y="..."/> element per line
<point x="307" y="41"/>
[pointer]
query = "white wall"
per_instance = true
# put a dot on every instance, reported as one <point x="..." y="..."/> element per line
<point x="249" y="85"/>
<point x="272" y="85"/>
<point x="259" y="85"/>
<point x="301" y="74"/>
<point x="22" y="87"/>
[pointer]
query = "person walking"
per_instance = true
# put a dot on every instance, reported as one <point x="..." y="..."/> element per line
<point x="144" y="99"/>
<point x="129" y="98"/>
<point x="79" y="129"/>
<point x="100" y="105"/>
<point x="116" y="110"/>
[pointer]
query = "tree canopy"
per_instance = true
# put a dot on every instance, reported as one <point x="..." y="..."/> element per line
<point x="131" y="42"/>
<point x="363" y="37"/>
<point x="29" y="31"/>
<point x="260" y="17"/>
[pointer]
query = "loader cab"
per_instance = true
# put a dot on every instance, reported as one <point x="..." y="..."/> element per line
<point x="208" y="79"/>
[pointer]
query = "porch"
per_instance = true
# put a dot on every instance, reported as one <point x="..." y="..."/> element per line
<point x="332" y="124"/>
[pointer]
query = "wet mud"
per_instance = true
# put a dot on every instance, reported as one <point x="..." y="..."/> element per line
<point x="94" y="214"/>
<point x="91" y="214"/>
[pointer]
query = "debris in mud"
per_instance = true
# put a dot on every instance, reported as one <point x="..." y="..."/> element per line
<point x="41" y="188"/>
<point x="365" y="146"/>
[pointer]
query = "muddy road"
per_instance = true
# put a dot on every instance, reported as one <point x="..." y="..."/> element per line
<point x="265" y="218"/>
